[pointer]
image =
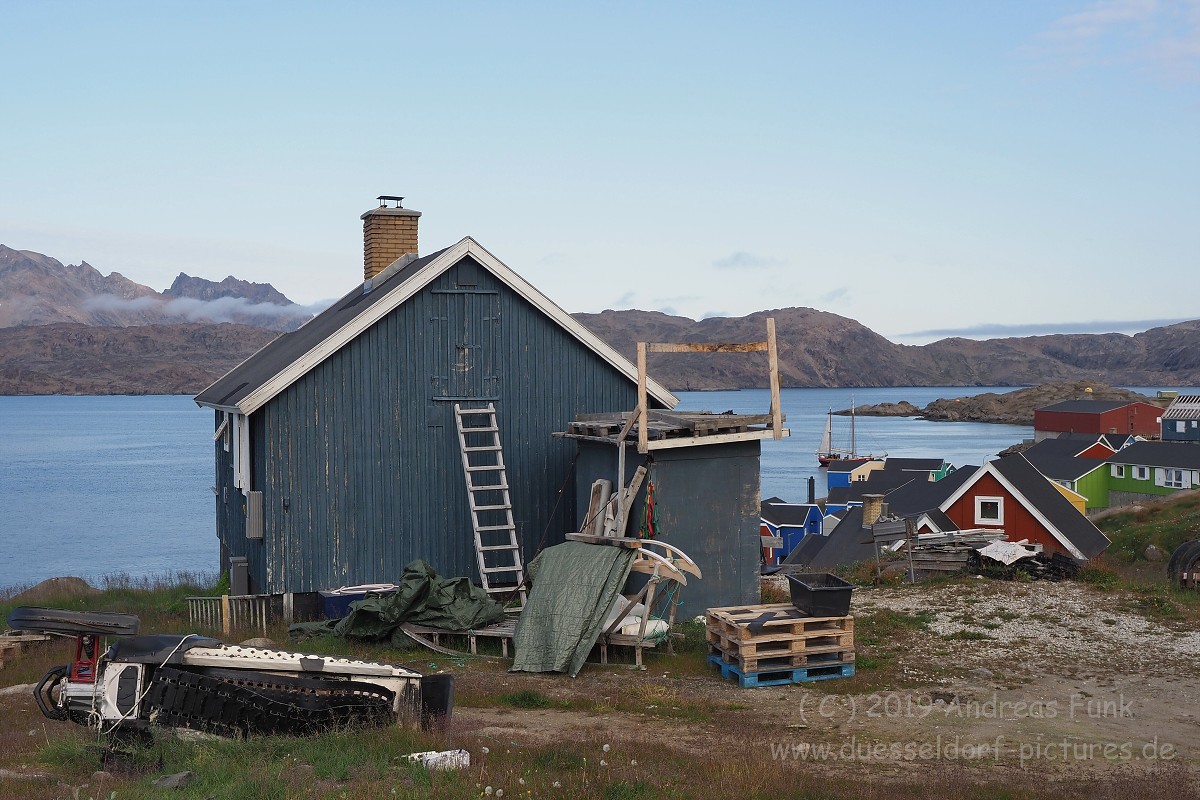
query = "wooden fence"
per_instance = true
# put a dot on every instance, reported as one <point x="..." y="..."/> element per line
<point x="228" y="614"/>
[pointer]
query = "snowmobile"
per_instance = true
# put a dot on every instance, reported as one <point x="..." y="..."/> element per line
<point x="201" y="683"/>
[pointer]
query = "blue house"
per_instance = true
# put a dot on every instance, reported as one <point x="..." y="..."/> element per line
<point x="791" y="522"/>
<point x="336" y="451"/>
<point x="1181" y="420"/>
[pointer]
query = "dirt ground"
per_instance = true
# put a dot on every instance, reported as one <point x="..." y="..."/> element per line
<point x="1060" y="678"/>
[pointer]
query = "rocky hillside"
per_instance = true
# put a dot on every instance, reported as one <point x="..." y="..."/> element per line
<point x="70" y="358"/>
<point x="38" y="290"/>
<point x="817" y="348"/>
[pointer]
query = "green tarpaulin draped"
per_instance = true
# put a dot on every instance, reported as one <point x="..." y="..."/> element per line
<point x="424" y="598"/>
<point x="574" y="585"/>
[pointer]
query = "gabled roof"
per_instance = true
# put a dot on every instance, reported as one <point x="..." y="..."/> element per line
<point x="250" y="385"/>
<point x="1034" y="491"/>
<point x="1088" y="406"/>
<point x="1177" y="455"/>
<point x="847" y="464"/>
<point x="1058" y="458"/>
<point x="918" y="497"/>
<point x="1185" y="406"/>
<point x="913" y="464"/>
<point x="776" y="512"/>
<point x="848" y="543"/>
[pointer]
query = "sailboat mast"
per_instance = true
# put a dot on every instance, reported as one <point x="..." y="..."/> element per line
<point x="853" y="441"/>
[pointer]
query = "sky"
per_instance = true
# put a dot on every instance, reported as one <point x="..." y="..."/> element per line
<point x="930" y="169"/>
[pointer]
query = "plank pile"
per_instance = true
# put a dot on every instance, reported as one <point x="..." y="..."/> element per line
<point x="769" y="645"/>
<point x="13" y="643"/>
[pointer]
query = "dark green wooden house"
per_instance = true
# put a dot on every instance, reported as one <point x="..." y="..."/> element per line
<point x="337" y="458"/>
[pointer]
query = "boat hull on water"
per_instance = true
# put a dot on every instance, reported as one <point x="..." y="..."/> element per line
<point x="828" y="454"/>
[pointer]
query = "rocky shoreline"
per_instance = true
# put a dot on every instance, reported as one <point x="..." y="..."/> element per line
<point x="1009" y="408"/>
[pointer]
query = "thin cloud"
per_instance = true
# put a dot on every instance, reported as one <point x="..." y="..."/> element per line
<point x="626" y="299"/>
<point x="1162" y="35"/>
<point x="711" y="314"/>
<point x="994" y="330"/>
<point x="743" y="260"/>
<point x="222" y="309"/>
<point x="840" y="293"/>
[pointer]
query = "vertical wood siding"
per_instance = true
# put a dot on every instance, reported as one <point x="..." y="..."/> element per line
<point x="368" y="459"/>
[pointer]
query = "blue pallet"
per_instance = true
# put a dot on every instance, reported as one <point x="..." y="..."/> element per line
<point x="779" y="677"/>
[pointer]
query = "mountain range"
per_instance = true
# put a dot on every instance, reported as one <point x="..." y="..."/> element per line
<point x="68" y="329"/>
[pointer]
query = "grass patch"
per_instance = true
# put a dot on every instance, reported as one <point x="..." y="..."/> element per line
<point x="526" y="698"/>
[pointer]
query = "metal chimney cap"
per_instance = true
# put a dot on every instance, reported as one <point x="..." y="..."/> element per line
<point x="383" y="198"/>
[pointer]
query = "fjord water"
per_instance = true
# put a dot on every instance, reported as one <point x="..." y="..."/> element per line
<point x="93" y="486"/>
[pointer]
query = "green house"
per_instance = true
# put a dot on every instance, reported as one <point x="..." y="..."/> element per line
<point x="1145" y="470"/>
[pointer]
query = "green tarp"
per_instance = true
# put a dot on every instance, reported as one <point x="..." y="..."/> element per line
<point x="574" y="585"/>
<point x="424" y="598"/>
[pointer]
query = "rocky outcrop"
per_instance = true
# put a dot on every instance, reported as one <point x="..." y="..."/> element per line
<point x="1013" y="408"/>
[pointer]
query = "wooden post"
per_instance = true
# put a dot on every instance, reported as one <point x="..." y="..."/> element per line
<point x="910" y="541"/>
<point x="643" y="430"/>
<point x="773" y="367"/>
<point x="226" y="616"/>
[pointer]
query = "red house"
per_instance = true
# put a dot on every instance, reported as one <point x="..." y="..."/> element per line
<point x="1097" y="416"/>
<point x="1010" y="494"/>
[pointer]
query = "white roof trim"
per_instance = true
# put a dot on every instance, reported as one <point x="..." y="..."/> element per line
<point x="422" y="278"/>
<point x="1012" y="490"/>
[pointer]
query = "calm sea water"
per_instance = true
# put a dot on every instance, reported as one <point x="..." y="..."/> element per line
<point x="93" y="486"/>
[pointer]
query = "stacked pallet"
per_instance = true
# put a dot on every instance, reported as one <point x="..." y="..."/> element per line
<point x="770" y="645"/>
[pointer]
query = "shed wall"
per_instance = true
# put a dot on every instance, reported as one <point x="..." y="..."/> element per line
<point x="708" y="505"/>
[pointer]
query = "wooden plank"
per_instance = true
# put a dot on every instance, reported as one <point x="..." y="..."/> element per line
<point x="717" y="438"/>
<point x="643" y="432"/>
<point x="615" y="541"/>
<point x="773" y="369"/>
<point x="705" y="347"/>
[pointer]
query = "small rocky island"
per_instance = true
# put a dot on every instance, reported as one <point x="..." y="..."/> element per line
<point x="1009" y="408"/>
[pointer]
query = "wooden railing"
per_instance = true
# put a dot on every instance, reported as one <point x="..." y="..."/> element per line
<point x="227" y="614"/>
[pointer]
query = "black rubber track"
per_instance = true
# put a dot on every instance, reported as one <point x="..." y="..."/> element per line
<point x="1183" y="559"/>
<point x="240" y="702"/>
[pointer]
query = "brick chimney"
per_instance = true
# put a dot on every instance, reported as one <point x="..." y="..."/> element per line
<point x="388" y="234"/>
<point x="872" y="508"/>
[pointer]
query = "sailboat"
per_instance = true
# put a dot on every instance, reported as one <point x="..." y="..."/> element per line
<point x="827" y="453"/>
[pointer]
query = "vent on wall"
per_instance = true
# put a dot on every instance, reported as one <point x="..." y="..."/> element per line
<point x="254" y="515"/>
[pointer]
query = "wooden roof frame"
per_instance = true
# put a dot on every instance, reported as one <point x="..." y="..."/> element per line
<point x="777" y="430"/>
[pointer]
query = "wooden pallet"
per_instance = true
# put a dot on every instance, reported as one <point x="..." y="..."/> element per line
<point x="13" y="643"/>
<point x="765" y="663"/>
<point x="780" y="677"/>
<point x="781" y="644"/>
<point x="786" y="622"/>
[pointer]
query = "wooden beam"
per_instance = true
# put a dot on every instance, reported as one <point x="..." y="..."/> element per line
<point x="773" y="368"/>
<point x="705" y="347"/>
<point x="716" y="438"/>
<point x="643" y="430"/>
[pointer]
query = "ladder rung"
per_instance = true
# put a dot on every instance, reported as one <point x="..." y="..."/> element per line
<point x="504" y="507"/>
<point x="488" y="488"/>
<point x="490" y="570"/>
<point x="500" y="547"/>
<point x="485" y="528"/>
<point x="462" y="412"/>
<point x="485" y="468"/>
<point x="489" y="429"/>
<point x="480" y="449"/>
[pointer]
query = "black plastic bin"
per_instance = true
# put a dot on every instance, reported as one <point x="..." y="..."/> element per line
<point x="820" y="594"/>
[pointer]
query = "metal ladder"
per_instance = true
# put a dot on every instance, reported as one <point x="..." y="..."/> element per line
<point x="496" y="548"/>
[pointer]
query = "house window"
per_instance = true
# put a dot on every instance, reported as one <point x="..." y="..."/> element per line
<point x="1118" y="470"/>
<point x="1173" y="478"/>
<point x="1141" y="473"/>
<point x="989" y="510"/>
<point x="1180" y="426"/>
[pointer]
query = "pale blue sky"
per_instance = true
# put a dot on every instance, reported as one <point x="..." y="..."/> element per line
<point x="919" y="167"/>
